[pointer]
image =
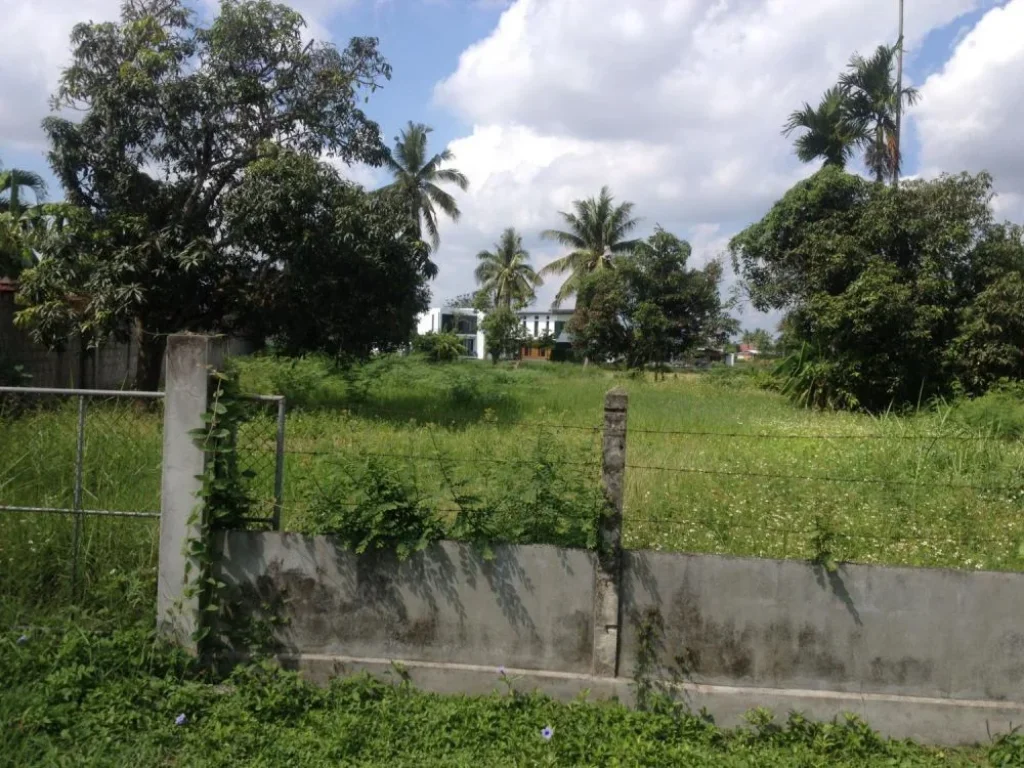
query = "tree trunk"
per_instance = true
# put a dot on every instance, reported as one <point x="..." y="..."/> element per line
<point x="149" y="361"/>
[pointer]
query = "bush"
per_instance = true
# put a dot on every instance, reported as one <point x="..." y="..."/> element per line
<point x="999" y="413"/>
<point x="439" y="347"/>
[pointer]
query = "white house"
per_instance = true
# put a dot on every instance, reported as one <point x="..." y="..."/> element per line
<point x="467" y="324"/>
<point x="464" y="323"/>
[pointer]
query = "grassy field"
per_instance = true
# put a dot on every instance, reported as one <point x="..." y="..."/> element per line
<point x="82" y="699"/>
<point x="761" y="477"/>
<point x="715" y="465"/>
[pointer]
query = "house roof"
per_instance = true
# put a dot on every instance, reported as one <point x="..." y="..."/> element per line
<point x="525" y="312"/>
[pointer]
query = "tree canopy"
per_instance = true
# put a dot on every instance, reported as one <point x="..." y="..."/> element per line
<point x="169" y="116"/>
<point x="505" y="274"/>
<point x="596" y="230"/>
<point x="897" y="294"/>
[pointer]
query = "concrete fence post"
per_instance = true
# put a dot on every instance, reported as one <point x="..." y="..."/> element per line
<point x="188" y="362"/>
<point x="609" y="571"/>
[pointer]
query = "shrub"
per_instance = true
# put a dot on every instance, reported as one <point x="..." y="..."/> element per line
<point x="999" y="413"/>
<point x="439" y="347"/>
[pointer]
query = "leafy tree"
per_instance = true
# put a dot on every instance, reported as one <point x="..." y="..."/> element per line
<point x="338" y="275"/>
<point x="872" y="103"/>
<point x="596" y="232"/>
<point x="828" y="132"/>
<point x="476" y="300"/>
<point x="504" y="332"/>
<point x="12" y="182"/>
<point x="894" y="296"/>
<point x="417" y="180"/>
<point x="651" y="308"/>
<point x="439" y="347"/>
<point x="171" y="114"/>
<point x="758" y="339"/>
<point x="505" y="274"/>
<point x="597" y="326"/>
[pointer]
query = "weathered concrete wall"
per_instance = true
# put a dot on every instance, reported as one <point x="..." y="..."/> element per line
<point x="931" y="655"/>
<point x="863" y="629"/>
<point x="529" y="607"/>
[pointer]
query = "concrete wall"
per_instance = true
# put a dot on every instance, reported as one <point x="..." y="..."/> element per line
<point x="863" y="629"/>
<point x="932" y="655"/>
<point x="529" y="607"/>
<point x="111" y="365"/>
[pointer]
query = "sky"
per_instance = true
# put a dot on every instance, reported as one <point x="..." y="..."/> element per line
<point x="676" y="105"/>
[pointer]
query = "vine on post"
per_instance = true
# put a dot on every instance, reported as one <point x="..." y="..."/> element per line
<point x="224" y="502"/>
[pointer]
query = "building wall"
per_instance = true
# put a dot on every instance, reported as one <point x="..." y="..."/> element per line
<point x="539" y="323"/>
<point x="430" y="322"/>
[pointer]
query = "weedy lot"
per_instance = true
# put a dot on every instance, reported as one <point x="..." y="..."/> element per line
<point x="716" y="464"/>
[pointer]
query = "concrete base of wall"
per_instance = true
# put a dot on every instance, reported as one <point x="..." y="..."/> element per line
<point x="947" y="722"/>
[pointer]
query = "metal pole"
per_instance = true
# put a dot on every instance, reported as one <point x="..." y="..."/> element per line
<point x="899" y="104"/>
<point x="279" y="466"/>
<point x="77" y="503"/>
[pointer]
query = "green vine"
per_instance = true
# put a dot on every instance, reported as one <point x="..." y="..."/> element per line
<point x="224" y="503"/>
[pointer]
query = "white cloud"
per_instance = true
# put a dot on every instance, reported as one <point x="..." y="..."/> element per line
<point x="971" y="112"/>
<point x="676" y="104"/>
<point x="33" y="48"/>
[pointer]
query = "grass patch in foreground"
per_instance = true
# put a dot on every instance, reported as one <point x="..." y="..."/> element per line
<point x="81" y="699"/>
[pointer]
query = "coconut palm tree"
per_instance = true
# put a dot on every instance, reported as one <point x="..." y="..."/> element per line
<point x="828" y="133"/>
<point x="873" y="104"/>
<point x="596" y="232"/>
<point x="505" y="274"/>
<point x="13" y="181"/>
<point x="417" y="178"/>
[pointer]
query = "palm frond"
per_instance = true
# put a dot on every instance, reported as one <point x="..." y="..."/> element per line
<point x="443" y="200"/>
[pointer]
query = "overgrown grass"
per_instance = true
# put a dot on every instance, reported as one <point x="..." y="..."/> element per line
<point x="747" y="472"/>
<point x="75" y="698"/>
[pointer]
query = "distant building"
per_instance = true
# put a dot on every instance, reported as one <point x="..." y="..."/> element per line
<point x="467" y="324"/>
<point x="747" y="352"/>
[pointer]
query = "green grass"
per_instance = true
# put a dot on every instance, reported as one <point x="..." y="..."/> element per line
<point x="899" y="509"/>
<point x="74" y="698"/>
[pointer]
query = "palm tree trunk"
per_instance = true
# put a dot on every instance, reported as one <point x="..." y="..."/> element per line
<point x="14" y="196"/>
<point x="899" y="104"/>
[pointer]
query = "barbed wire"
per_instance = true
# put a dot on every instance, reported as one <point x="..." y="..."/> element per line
<point x="823" y="478"/>
<point x="769" y="436"/>
<point x="433" y="458"/>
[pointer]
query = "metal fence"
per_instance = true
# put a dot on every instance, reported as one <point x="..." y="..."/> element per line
<point x="260" y="449"/>
<point x="74" y="454"/>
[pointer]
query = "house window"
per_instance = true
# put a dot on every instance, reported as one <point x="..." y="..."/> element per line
<point x="536" y="327"/>
<point x="559" y="326"/>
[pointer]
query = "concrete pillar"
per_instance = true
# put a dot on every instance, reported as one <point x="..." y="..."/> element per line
<point x="609" y="572"/>
<point x="188" y="362"/>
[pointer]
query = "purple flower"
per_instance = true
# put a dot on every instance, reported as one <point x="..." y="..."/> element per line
<point x="547" y="733"/>
<point x="23" y="639"/>
<point x="501" y="671"/>
<point x="180" y="719"/>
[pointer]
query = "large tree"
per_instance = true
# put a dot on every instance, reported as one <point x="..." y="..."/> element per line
<point x="652" y="307"/>
<point x="895" y="295"/>
<point x="596" y="230"/>
<point x="170" y="114"/>
<point x="827" y="132"/>
<point x="339" y="275"/>
<point x="872" y="104"/>
<point x="505" y="274"/>
<point x="418" y="177"/>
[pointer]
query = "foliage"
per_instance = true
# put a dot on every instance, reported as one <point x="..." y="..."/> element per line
<point x="759" y="339"/>
<point x="999" y="413"/>
<point x="18" y="221"/>
<point x="872" y="103"/>
<point x="899" y="295"/>
<point x="476" y="300"/>
<point x="171" y="113"/>
<point x="386" y="512"/>
<point x="859" y="111"/>
<point x="337" y="276"/>
<point x="596" y="231"/>
<point x="417" y="180"/>
<point x="505" y="274"/>
<point x="439" y="347"/>
<point x="504" y="332"/>
<point x="651" y="308"/>
<point x="828" y="133"/>
<point x="81" y="698"/>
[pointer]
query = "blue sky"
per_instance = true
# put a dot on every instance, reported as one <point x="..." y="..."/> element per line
<point x="676" y="104"/>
